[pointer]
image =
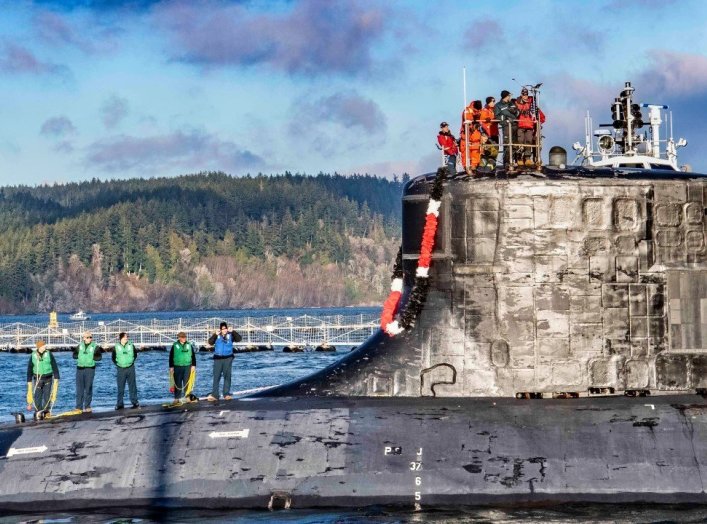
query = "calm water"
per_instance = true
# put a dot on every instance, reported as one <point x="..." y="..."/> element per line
<point x="254" y="370"/>
<point x="250" y="370"/>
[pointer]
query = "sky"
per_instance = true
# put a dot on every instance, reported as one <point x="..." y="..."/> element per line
<point x="138" y="88"/>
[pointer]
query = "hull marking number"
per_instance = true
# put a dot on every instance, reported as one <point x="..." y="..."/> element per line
<point x="416" y="465"/>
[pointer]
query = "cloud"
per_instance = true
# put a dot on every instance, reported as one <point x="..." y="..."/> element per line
<point x="179" y="150"/>
<point x="348" y="109"/>
<point x="90" y="34"/>
<point x="57" y="127"/>
<point x="343" y="121"/>
<point x="113" y="111"/>
<point x="485" y="34"/>
<point x="315" y="37"/>
<point x="15" y="59"/>
<point x="681" y="74"/>
<point x="680" y="81"/>
<point x="53" y="29"/>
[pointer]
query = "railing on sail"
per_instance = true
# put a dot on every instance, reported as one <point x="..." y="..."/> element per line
<point x="514" y="147"/>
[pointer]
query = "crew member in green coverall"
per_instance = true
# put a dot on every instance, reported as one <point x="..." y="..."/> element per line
<point x="42" y="378"/>
<point x="86" y="355"/>
<point x="124" y="355"/>
<point x="182" y="367"/>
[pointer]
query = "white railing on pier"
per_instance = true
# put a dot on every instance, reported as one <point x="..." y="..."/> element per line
<point x="305" y="330"/>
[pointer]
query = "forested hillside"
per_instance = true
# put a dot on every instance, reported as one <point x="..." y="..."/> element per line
<point x="198" y="241"/>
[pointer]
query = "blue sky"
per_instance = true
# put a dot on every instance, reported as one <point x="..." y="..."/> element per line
<point x="112" y="89"/>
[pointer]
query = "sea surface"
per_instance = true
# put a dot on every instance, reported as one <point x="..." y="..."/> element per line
<point x="257" y="370"/>
<point x="250" y="370"/>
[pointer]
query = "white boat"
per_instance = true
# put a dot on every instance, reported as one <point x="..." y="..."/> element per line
<point x="80" y="315"/>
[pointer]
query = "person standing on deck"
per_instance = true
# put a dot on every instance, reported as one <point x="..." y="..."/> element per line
<point x="42" y="379"/>
<point x="507" y="115"/>
<point x="182" y="367"/>
<point x="87" y="353"/>
<point x="448" y="144"/>
<point x="530" y="117"/>
<point x="124" y="355"/>
<point x="223" y="360"/>
<point x="488" y="120"/>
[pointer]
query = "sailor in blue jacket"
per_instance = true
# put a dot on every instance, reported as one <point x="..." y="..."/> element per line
<point x="223" y="360"/>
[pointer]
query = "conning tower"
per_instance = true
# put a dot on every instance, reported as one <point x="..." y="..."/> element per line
<point x="564" y="281"/>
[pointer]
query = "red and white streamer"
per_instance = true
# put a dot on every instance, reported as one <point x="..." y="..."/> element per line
<point x="390" y="306"/>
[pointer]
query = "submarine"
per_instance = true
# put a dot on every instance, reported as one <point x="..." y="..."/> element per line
<point x="554" y="350"/>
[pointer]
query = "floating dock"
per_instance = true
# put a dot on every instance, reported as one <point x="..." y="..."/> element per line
<point x="321" y="333"/>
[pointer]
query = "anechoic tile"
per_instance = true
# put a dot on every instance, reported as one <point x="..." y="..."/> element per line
<point x="626" y="214"/>
<point x="586" y="339"/>
<point x="626" y="269"/>
<point x="585" y="308"/>
<point x="552" y="298"/>
<point x="639" y="327"/>
<point x="604" y="372"/>
<point x="637" y="300"/>
<point x="567" y="373"/>
<point x="552" y="324"/>
<point x="550" y="268"/>
<point x="694" y="213"/>
<point x="616" y="323"/>
<point x="637" y="374"/>
<point x="595" y="213"/>
<point x="551" y="349"/>
<point x="615" y="295"/>
<point x="601" y="268"/>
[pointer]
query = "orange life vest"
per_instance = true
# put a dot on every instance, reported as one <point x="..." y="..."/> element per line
<point x="486" y="117"/>
<point x="474" y="148"/>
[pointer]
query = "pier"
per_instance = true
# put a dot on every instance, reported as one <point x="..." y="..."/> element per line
<point x="300" y="333"/>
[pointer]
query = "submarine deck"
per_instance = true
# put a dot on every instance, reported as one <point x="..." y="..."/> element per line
<point x="354" y="452"/>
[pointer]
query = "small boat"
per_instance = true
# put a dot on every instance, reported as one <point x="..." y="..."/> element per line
<point x="80" y="315"/>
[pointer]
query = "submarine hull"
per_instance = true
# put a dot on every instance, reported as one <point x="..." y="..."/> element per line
<point x="354" y="452"/>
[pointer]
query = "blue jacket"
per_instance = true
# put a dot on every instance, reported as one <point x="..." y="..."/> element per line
<point x="223" y="345"/>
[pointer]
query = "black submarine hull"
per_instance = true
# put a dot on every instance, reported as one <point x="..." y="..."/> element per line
<point x="355" y="452"/>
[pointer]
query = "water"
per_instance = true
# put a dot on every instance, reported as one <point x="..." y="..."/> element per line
<point x="250" y="370"/>
<point x="255" y="370"/>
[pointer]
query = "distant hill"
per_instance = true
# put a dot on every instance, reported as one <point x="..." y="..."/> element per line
<point x="198" y="241"/>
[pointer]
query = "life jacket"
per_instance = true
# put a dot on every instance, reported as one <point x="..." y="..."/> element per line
<point x="224" y="346"/>
<point x="181" y="353"/>
<point x="41" y="365"/>
<point x="447" y="143"/>
<point x="86" y="352"/>
<point x="486" y="116"/>
<point x="526" y="119"/>
<point x="470" y="114"/>
<point x="124" y="355"/>
<point x="474" y="148"/>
